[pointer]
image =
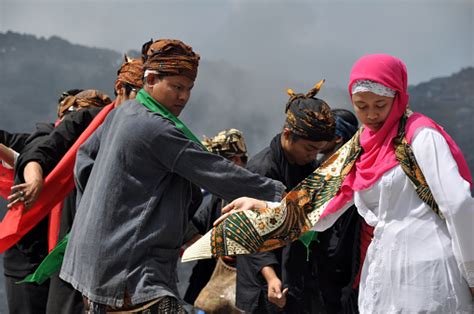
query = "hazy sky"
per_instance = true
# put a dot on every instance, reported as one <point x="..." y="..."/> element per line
<point x="273" y="41"/>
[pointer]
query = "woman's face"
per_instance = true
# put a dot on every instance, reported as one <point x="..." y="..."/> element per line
<point x="372" y="109"/>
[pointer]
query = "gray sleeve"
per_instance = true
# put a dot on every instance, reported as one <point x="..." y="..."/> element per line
<point x="211" y="172"/>
<point x="85" y="159"/>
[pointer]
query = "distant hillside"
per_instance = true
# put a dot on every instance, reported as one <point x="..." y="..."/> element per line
<point x="34" y="72"/>
<point x="450" y="102"/>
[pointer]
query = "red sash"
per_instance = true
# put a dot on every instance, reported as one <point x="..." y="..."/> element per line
<point x="58" y="184"/>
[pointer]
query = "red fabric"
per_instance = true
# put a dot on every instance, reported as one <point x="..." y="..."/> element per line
<point x="54" y="226"/>
<point x="58" y="184"/>
<point x="366" y="235"/>
<point x="6" y="181"/>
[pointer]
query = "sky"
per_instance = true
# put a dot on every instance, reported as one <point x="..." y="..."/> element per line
<point x="270" y="40"/>
<point x="252" y="51"/>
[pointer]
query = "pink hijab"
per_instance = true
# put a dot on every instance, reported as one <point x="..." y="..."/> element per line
<point x="378" y="151"/>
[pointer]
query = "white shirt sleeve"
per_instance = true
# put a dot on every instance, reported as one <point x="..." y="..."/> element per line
<point x="451" y="192"/>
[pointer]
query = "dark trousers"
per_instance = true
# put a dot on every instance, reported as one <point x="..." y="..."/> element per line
<point x="63" y="298"/>
<point x="26" y="298"/>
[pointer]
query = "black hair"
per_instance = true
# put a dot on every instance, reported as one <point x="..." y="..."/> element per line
<point x="128" y="89"/>
<point x="71" y="92"/>
<point x="347" y="116"/>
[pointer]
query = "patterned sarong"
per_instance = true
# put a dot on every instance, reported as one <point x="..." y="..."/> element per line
<point x="265" y="229"/>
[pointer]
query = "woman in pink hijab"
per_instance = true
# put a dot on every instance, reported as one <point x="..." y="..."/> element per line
<point x="421" y="258"/>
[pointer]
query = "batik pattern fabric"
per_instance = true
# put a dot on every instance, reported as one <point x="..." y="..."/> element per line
<point x="407" y="160"/>
<point x="89" y="98"/>
<point x="170" y="57"/>
<point x="163" y="305"/>
<point x="309" y="117"/>
<point x="265" y="229"/>
<point x="227" y="143"/>
<point x="131" y="72"/>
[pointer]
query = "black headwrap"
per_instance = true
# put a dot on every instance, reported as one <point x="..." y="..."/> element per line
<point x="346" y="124"/>
<point x="309" y="117"/>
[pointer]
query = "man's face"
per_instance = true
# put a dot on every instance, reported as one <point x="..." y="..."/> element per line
<point x="171" y="91"/>
<point x="301" y="151"/>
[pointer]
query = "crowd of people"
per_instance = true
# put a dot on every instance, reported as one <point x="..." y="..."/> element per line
<point x="330" y="217"/>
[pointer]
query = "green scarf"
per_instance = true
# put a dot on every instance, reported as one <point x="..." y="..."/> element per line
<point x="52" y="263"/>
<point x="146" y="100"/>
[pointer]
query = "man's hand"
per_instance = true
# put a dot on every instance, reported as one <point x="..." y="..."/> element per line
<point x="275" y="294"/>
<point x="29" y="191"/>
<point x="240" y="204"/>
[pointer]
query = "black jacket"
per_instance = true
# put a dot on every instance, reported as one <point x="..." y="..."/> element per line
<point x="46" y="146"/>
<point x="316" y="281"/>
<point x="251" y="286"/>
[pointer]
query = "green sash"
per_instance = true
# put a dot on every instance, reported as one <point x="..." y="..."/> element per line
<point x="146" y="100"/>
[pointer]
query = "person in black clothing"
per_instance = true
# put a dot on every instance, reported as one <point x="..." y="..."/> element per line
<point x="38" y="161"/>
<point x="282" y="280"/>
<point x="231" y="145"/>
<point x="27" y="254"/>
<point x="336" y="257"/>
<point x="296" y="278"/>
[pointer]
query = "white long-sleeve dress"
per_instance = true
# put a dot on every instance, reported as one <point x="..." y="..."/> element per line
<point x="417" y="263"/>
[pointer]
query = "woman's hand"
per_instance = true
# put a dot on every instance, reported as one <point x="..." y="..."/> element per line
<point x="240" y="204"/>
<point x="29" y="191"/>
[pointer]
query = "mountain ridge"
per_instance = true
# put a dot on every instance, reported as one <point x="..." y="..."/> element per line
<point x="36" y="70"/>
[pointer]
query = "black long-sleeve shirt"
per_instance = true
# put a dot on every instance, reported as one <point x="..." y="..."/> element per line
<point x="251" y="286"/>
<point x="314" y="281"/>
<point x="47" y="145"/>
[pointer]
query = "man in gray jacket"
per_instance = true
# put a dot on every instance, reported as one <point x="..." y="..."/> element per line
<point x="142" y="167"/>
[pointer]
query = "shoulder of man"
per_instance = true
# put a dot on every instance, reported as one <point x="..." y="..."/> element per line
<point x="259" y="161"/>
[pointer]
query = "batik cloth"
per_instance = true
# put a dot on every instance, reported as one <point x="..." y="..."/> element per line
<point x="85" y="99"/>
<point x="227" y="143"/>
<point x="131" y="72"/>
<point x="265" y="229"/>
<point x="163" y="305"/>
<point x="170" y="57"/>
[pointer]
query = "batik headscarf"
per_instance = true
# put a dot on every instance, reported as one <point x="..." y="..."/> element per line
<point x="85" y="99"/>
<point x="227" y="143"/>
<point x="309" y="117"/>
<point x="131" y="72"/>
<point x="170" y="57"/>
<point x="318" y="200"/>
